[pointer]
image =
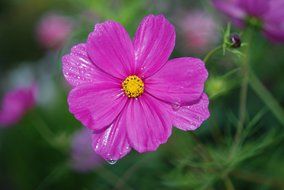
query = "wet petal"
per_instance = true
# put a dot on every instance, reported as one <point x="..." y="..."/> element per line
<point x="191" y="117"/>
<point x="180" y="81"/>
<point x="148" y="123"/>
<point x="112" y="143"/>
<point x="78" y="69"/>
<point x="153" y="44"/>
<point x="96" y="106"/>
<point x="110" y="48"/>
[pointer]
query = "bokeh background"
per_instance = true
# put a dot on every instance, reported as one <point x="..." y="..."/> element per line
<point x="46" y="148"/>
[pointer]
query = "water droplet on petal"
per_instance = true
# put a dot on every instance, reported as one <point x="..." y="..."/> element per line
<point x="176" y="106"/>
<point x="111" y="162"/>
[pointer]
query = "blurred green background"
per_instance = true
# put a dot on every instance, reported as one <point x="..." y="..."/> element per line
<point x="35" y="153"/>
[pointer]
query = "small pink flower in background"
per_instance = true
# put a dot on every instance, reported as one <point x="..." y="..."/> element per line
<point x="128" y="92"/>
<point x="200" y="31"/>
<point x="15" y="104"/>
<point x="266" y="14"/>
<point x="83" y="157"/>
<point x="53" y="30"/>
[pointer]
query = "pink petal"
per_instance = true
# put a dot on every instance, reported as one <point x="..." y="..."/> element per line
<point x="275" y="15"/>
<point x="230" y="8"/>
<point x="180" y="81"/>
<point x="153" y="43"/>
<point x="274" y="21"/>
<point x="110" y="48"/>
<point x="96" y="106"/>
<point x="83" y="157"/>
<point x="254" y="7"/>
<point x="274" y="33"/>
<point x="16" y="103"/>
<point x="112" y="144"/>
<point x="78" y="69"/>
<point x="148" y="123"/>
<point x="191" y="117"/>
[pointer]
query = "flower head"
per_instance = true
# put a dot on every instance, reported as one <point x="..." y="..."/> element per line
<point x="128" y="92"/>
<point x="199" y="37"/>
<point x="265" y="14"/>
<point x="83" y="157"/>
<point x="53" y="30"/>
<point x="15" y="104"/>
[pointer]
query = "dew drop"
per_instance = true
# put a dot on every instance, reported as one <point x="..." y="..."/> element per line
<point x="111" y="162"/>
<point x="176" y="106"/>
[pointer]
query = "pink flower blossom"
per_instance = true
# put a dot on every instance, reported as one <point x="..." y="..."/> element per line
<point x="15" y="104"/>
<point x="199" y="37"/>
<point x="266" y="14"/>
<point x="83" y="157"/>
<point x="128" y="92"/>
<point x="53" y="30"/>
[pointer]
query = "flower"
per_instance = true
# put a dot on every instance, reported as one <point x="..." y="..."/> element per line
<point x="128" y="92"/>
<point x="83" y="157"/>
<point x="15" y="104"/>
<point x="199" y="37"/>
<point x="53" y="30"/>
<point x="265" y="14"/>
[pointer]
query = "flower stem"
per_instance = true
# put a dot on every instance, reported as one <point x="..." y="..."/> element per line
<point x="55" y="174"/>
<point x="211" y="53"/>
<point x="228" y="183"/>
<point x="43" y="130"/>
<point x="244" y="90"/>
<point x="267" y="97"/>
<point x="258" y="178"/>
<point x="112" y="178"/>
<point x="243" y="98"/>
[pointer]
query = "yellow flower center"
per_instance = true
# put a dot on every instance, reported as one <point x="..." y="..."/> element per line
<point x="133" y="86"/>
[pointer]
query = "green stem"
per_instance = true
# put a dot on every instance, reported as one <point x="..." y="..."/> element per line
<point x="112" y="178"/>
<point x="230" y="73"/>
<point x="244" y="90"/>
<point x="259" y="178"/>
<point x="267" y="98"/>
<point x="122" y="180"/>
<point x="228" y="183"/>
<point x="243" y="99"/>
<point x="43" y="130"/>
<point x="203" y="151"/>
<point x="55" y="174"/>
<point x="211" y="53"/>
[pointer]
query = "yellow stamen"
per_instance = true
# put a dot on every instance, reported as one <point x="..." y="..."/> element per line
<point x="133" y="86"/>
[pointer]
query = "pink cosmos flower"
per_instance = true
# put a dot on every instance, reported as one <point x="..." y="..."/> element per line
<point x="199" y="37"/>
<point x="83" y="157"/>
<point x="53" y="30"/>
<point x="266" y="14"/>
<point x="128" y="92"/>
<point x="15" y="104"/>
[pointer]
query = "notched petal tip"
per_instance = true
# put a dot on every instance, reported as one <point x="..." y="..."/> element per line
<point x="112" y="143"/>
<point x="190" y="118"/>
<point x="202" y="66"/>
<point x="180" y="82"/>
<point x="110" y="48"/>
<point x="154" y="42"/>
